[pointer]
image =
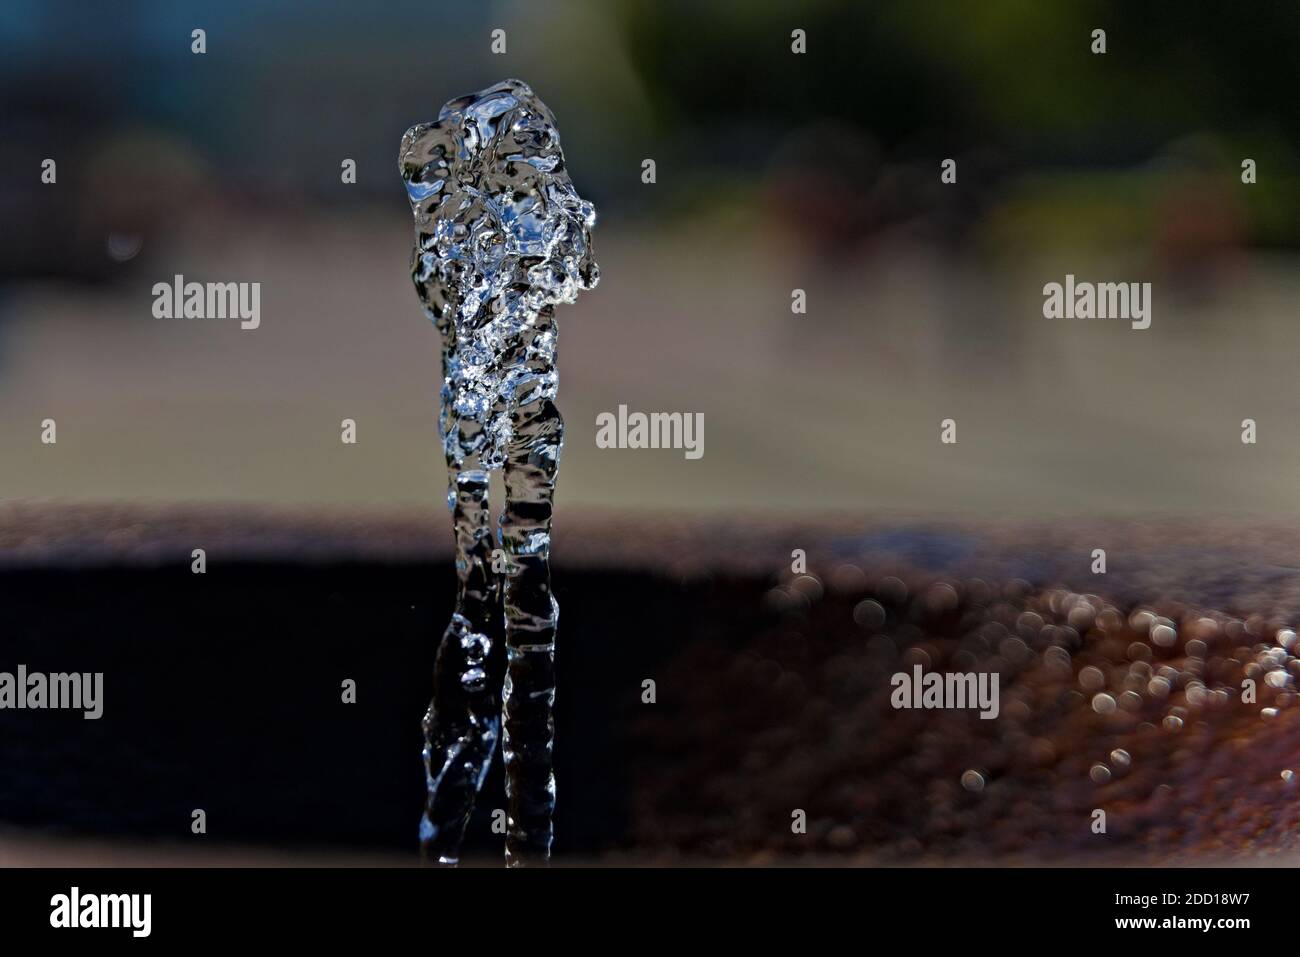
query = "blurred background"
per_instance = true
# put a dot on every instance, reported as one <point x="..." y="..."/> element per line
<point x="775" y="171"/>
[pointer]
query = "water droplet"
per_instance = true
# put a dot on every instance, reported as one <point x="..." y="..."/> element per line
<point x="1030" y="623"/>
<point x="1103" y="704"/>
<point x="1091" y="678"/>
<point x="809" y="586"/>
<point x="1139" y="651"/>
<point x="892" y="590"/>
<point x="869" y="614"/>
<point x="940" y="599"/>
<point x="1081" y="616"/>
<point x="1164" y="636"/>
<point x="1141" y="621"/>
<point x="1058" y="660"/>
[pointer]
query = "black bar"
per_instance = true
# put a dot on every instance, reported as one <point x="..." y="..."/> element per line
<point x="613" y="908"/>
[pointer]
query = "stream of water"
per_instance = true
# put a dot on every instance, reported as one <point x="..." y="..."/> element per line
<point x="501" y="237"/>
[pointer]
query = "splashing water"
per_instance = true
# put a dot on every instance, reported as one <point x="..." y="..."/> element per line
<point x="501" y="236"/>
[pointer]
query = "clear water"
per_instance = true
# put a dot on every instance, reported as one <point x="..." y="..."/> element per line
<point x="501" y="237"/>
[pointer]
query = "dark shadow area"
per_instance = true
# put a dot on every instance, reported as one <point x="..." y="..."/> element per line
<point x="223" y="692"/>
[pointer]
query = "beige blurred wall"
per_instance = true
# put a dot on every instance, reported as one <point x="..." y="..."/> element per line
<point x="838" y="409"/>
